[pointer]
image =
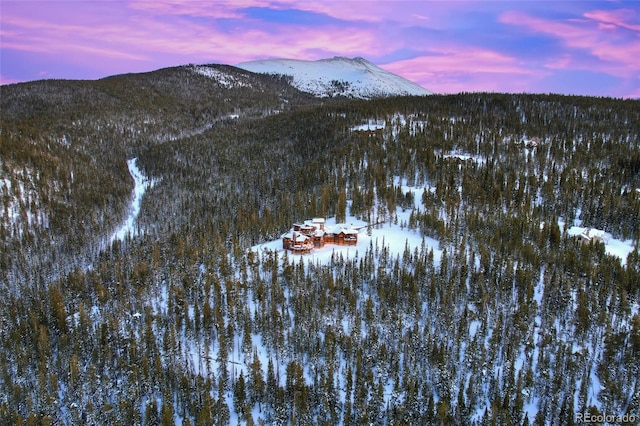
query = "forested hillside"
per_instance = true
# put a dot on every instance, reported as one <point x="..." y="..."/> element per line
<point x="64" y="178"/>
<point x="516" y="322"/>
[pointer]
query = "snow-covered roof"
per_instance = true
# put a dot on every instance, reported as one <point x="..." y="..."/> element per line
<point x="300" y="237"/>
<point x="590" y="233"/>
<point x="349" y="231"/>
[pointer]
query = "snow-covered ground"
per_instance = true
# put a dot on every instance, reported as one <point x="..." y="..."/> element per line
<point x="21" y="209"/>
<point x="224" y="79"/>
<point x="128" y="228"/>
<point x="371" y="125"/>
<point x="355" y="77"/>
<point x="612" y="246"/>
<point x="394" y="236"/>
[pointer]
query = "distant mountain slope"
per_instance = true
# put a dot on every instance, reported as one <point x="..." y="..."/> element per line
<point x="339" y="76"/>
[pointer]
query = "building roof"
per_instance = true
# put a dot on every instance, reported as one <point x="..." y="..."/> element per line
<point x="591" y="233"/>
<point x="298" y="236"/>
<point x="349" y="231"/>
<point x="301" y="238"/>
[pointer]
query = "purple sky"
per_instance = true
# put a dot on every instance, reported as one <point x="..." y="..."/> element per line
<point x="571" y="47"/>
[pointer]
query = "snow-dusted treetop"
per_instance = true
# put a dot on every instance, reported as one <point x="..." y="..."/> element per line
<point x="338" y="76"/>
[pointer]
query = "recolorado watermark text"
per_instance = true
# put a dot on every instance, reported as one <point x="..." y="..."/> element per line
<point x="606" y="418"/>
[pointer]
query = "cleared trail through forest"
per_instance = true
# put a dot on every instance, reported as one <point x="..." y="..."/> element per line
<point x="142" y="183"/>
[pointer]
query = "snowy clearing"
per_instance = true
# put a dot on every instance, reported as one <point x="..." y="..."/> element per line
<point x="612" y="246"/>
<point x="394" y="236"/>
<point x="466" y="157"/>
<point x="371" y="125"/>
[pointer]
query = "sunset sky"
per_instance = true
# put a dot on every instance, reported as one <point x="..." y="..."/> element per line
<point x="570" y="47"/>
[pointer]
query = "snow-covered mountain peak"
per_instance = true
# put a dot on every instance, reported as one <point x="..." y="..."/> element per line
<point x="338" y="76"/>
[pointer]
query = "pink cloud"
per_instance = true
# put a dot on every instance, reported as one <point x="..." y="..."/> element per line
<point x="561" y="62"/>
<point x="612" y="19"/>
<point x="142" y="38"/>
<point x="149" y="34"/>
<point x="461" y="68"/>
<point x="140" y="35"/>
<point x="307" y="44"/>
<point x="45" y="37"/>
<point x="618" y="55"/>
<point x="242" y="45"/>
<point x="216" y="9"/>
<point x="370" y="11"/>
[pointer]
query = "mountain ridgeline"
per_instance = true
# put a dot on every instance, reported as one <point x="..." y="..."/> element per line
<point x="517" y="322"/>
<point x="339" y="77"/>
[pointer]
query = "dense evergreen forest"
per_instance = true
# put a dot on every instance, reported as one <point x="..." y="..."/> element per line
<point x="515" y="323"/>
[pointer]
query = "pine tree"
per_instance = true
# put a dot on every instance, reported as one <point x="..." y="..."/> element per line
<point x="167" y="415"/>
<point x="341" y="208"/>
<point x="239" y="395"/>
<point x="256" y="384"/>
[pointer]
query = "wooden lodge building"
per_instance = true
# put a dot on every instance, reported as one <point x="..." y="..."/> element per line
<point x="304" y="237"/>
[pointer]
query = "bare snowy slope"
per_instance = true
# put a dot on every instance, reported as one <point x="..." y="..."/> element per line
<point x="338" y="76"/>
